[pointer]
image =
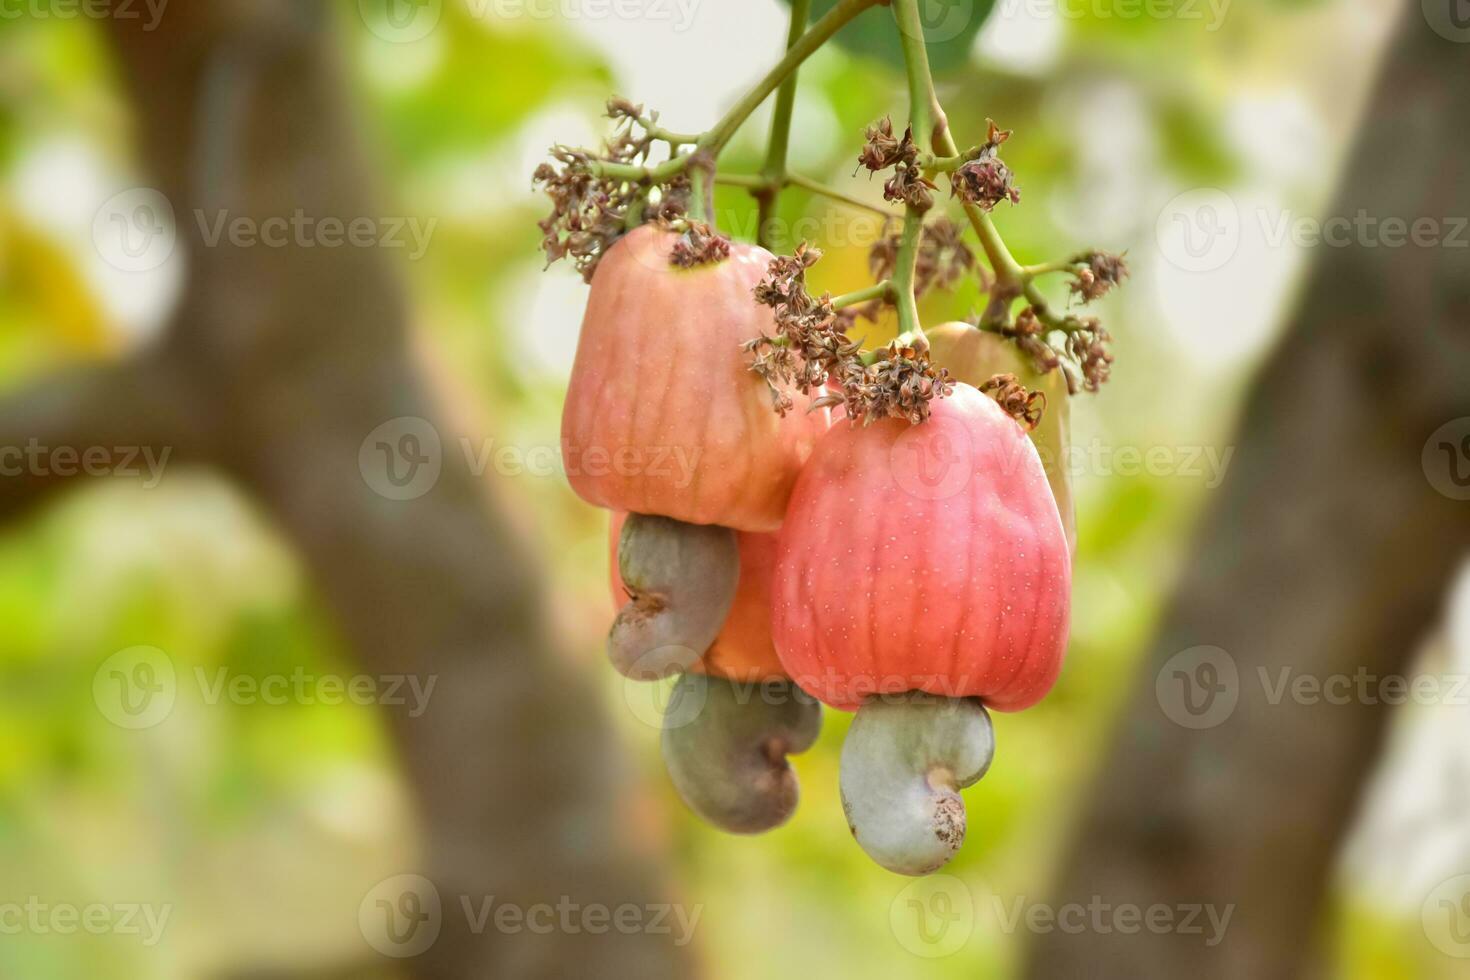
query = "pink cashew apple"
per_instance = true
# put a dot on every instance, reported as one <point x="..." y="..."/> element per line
<point x="662" y="415"/>
<point x="974" y="356"/>
<point x="922" y="575"/>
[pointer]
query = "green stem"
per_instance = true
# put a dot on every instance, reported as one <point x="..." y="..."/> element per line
<point x="916" y="65"/>
<point x="701" y="189"/>
<point x="774" y="170"/>
<point x="819" y="34"/>
<point x="922" y="120"/>
<point x="816" y="187"/>
<point x="921" y="91"/>
<point x="757" y="185"/>
<point x="1030" y="272"/>
<point x="751" y="182"/>
<point x="713" y="141"/>
<point x="673" y="139"/>
<point x="933" y="164"/>
<point x="903" y="276"/>
<point x="634" y="217"/>
<point x="881" y="290"/>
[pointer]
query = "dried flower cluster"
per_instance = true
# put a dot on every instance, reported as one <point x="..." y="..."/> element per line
<point x="1096" y="275"/>
<point x="1024" y="406"/>
<point x="908" y="185"/>
<point x="699" y="245"/>
<point x="811" y="351"/>
<point x="943" y="257"/>
<point x="1082" y="354"/>
<point x="984" y="180"/>
<point x="589" y="210"/>
<point x="899" y="383"/>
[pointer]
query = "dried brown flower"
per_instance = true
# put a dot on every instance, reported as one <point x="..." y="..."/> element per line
<point x="1026" y="407"/>
<point x="943" y="257"/>
<point x="899" y="383"/>
<point x="908" y="185"/>
<point x="984" y="180"/>
<point x="1087" y="345"/>
<point x="699" y="245"/>
<point x="883" y="149"/>
<point x="811" y="352"/>
<point x="1098" y="276"/>
<point x="589" y="209"/>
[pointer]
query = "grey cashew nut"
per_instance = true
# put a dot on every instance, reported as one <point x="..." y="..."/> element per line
<point x="681" y="581"/>
<point x="903" y="764"/>
<point x="725" y="745"/>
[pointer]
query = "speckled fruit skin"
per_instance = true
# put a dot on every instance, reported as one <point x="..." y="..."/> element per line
<point x="743" y="651"/>
<point x="927" y="558"/>
<point x="662" y="414"/>
<point x="975" y="356"/>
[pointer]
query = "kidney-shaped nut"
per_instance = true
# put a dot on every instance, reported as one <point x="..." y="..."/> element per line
<point x="725" y="745"/>
<point x="681" y="581"/>
<point x="903" y="764"/>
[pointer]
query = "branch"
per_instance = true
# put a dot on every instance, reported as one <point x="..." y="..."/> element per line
<point x="122" y="420"/>
<point x="1298" y="568"/>
<point x="304" y="353"/>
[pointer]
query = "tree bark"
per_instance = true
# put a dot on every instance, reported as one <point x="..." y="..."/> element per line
<point x="279" y="365"/>
<point x="1326" y="550"/>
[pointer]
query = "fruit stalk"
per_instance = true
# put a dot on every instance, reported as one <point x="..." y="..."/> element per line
<point x="930" y="125"/>
<point x="774" y="171"/>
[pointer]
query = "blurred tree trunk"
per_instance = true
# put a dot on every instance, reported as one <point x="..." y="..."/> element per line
<point x="1326" y="549"/>
<point x="280" y="363"/>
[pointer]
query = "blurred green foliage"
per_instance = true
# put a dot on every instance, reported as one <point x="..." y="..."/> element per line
<point x="950" y="27"/>
<point x="264" y="824"/>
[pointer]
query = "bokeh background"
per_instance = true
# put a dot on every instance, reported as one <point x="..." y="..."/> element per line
<point x="264" y="825"/>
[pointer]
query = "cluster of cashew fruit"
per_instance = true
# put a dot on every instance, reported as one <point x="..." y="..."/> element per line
<point x="917" y="575"/>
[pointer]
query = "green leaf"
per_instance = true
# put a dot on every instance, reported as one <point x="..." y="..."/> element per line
<point x="950" y="27"/>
